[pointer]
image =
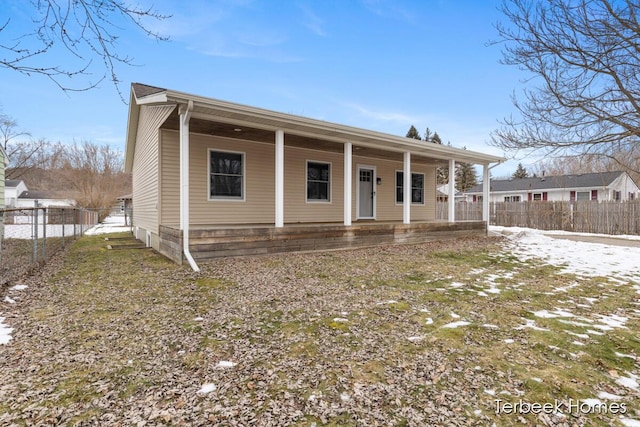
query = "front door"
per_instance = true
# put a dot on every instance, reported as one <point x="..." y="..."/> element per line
<point x="366" y="192"/>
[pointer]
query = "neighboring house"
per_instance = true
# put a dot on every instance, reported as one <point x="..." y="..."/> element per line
<point x="217" y="178"/>
<point x="12" y="189"/>
<point x="603" y="186"/>
<point x="443" y="194"/>
<point x="29" y="198"/>
<point x="3" y="166"/>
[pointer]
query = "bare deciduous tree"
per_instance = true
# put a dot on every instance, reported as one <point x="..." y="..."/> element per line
<point x="584" y="95"/>
<point x="81" y="30"/>
<point x="93" y="175"/>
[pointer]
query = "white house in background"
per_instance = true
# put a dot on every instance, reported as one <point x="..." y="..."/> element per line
<point x="28" y="199"/>
<point x="602" y="186"/>
<point x="12" y="189"/>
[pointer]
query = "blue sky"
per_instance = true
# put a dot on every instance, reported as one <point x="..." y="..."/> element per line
<point x="376" y="64"/>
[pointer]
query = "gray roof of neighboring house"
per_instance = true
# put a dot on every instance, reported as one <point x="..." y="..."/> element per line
<point x="34" y="194"/>
<point x="12" y="183"/>
<point x="586" y="180"/>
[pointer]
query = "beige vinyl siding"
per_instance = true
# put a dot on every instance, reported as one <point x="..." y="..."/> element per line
<point x="296" y="207"/>
<point x="258" y="206"/>
<point x="170" y="178"/>
<point x="386" y="207"/>
<point x="145" y="167"/>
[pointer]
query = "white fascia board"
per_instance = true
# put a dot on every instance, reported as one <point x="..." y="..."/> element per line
<point x="272" y="120"/>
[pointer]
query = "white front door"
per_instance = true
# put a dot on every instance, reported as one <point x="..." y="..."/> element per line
<point x="366" y="192"/>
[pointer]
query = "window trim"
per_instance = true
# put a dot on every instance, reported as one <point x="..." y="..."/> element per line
<point x="395" y="188"/>
<point x="306" y="182"/>
<point x="211" y="198"/>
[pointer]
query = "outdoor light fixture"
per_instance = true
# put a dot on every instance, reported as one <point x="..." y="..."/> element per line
<point x="379" y="181"/>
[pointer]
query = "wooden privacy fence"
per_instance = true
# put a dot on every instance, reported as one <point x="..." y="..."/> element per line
<point x="580" y="216"/>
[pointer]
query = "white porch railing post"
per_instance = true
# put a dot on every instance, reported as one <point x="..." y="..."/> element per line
<point x="452" y="190"/>
<point x="279" y="178"/>
<point x="348" y="162"/>
<point x="406" y="197"/>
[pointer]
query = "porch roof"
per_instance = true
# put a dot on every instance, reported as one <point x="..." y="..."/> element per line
<point x="227" y="117"/>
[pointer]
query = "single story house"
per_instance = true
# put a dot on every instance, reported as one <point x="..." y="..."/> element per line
<point x="601" y="186"/>
<point x="214" y="178"/>
<point x="31" y="198"/>
<point x="12" y="189"/>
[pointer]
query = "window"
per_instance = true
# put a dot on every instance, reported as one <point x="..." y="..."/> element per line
<point x="512" y="198"/>
<point x="632" y="196"/>
<point x="537" y="197"/>
<point x="617" y="195"/>
<point x="417" y="188"/>
<point x="318" y="182"/>
<point x="583" y="195"/>
<point x="226" y="175"/>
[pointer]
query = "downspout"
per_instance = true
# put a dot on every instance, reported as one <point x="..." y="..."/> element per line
<point x="185" y="116"/>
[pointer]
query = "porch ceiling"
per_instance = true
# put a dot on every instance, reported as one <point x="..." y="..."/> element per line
<point x="230" y="130"/>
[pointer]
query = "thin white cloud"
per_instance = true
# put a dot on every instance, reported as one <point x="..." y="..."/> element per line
<point x="383" y="116"/>
<point x="313" y="22"/>
<point x="206" y="27"/>
<point x="389" y="9"/>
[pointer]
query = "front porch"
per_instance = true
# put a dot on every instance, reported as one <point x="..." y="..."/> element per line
<point x="208" y="242"/>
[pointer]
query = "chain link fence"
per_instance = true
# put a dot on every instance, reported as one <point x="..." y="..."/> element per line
<point x="30" y="236"/>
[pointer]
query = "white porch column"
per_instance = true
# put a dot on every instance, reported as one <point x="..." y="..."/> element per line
<point x="486" y="188"/>
<point x="279" y="178"/>
<point x="452" y="190"/>
<point x="406" y="197"/>
<point x="348" y="179"/>
<point x="185" y="117"/>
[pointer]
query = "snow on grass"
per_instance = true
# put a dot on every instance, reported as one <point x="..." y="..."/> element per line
<point x="608" y="396"/>
<point x="226" y="364"/>
<point x="531" y="324"/>
<point x="629" y="422"/>
<point x="580" y="258"/>
<point x="18" y="288"/>
<point x="5" y="332"/>
<point x="457" y="324"/>
<point x="630" y="382"/>
<point x="111" y="224"/>
<point x="546" y="314"/>
<point x="9" y="300"/>
<point x="207" y="388"/>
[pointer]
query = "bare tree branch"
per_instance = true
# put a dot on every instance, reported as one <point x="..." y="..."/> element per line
<point x="584" y="95"/>
<point x="83" y="30"/>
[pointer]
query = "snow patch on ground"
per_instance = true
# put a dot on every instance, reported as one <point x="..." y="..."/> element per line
<point x="580" y="258"/>
<point x="5" y="332"/>
<point x="111" y="224"/>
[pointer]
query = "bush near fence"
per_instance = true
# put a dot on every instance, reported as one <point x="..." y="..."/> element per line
<point x="580" y="216"/>
<point x="30" y="236"/>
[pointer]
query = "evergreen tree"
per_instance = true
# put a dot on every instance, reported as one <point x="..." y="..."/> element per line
<point x="428" y="135"/>
<point x="413" y="133"/>
<point x="465" y="176"/>
<point x="436" y="138"/>
<point x="520" y="172"/>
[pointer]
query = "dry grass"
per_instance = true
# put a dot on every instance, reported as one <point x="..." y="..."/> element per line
<point x="341" y="338"/>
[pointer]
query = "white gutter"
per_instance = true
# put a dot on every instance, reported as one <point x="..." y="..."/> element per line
<point x="185" y="116"/>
